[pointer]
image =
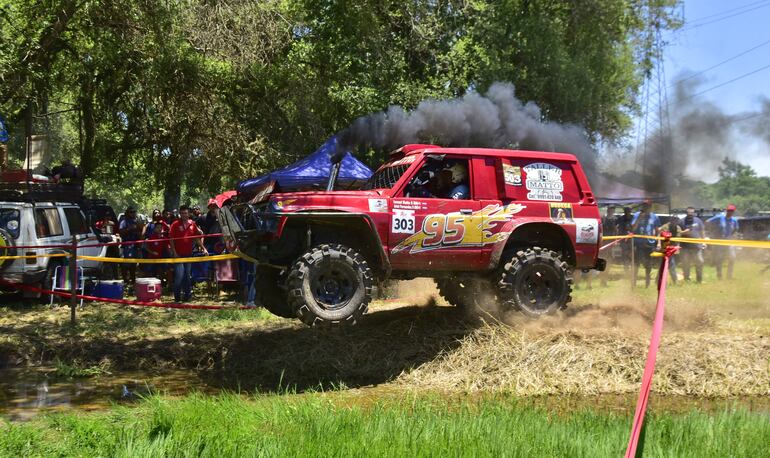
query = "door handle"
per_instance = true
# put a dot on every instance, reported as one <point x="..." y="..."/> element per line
<point x="466" y="211"/>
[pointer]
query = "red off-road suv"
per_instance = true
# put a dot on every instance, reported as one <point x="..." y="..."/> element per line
<point x="515" y="223"/>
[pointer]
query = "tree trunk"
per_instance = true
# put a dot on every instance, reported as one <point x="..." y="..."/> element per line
<point x="87" y="160"/>
<point x="175" y="172"/>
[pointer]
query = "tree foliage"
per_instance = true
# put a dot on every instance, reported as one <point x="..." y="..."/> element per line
<point x="738" y="184"/>
<point x="190" y="96"/>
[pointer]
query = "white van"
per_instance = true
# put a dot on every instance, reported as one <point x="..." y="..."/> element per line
<point x="41" y="223"/>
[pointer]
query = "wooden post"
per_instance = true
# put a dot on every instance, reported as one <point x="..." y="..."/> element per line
<point x="73" y="268"/>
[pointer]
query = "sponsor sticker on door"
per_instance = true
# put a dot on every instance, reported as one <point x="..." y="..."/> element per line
<point x="586" y="230"/>
<point x="544" y="182"/>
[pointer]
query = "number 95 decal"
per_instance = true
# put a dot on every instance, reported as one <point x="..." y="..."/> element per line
<point x="403" y="222"/>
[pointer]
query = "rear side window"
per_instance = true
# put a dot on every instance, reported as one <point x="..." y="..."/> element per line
<point x="75" y="221"/>
<point x="538" y="180"/>
<point x="47" y="222"/>
<point x="9" y="220"/>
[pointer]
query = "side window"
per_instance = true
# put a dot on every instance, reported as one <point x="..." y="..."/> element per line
<point x="441" y="177"/>
<point x="47" y="222"/>
<point x="75" y="221"/>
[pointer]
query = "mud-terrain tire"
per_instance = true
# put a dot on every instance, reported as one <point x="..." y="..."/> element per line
<point x="537" y="282"/>
<point x="271" y="292"/>
<point x="330" y="284"/>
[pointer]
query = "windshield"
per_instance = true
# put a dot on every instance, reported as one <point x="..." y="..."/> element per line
<point x="386" y="177"/>
<point x="9" y="220"/>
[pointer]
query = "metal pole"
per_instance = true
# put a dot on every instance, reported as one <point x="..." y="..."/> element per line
<point x="633" y="264"/>
<point x="73" y="268"/>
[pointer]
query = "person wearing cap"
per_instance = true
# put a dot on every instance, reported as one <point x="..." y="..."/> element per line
<point x="725" y="226"/>
<point x="644" y="222"/>
<point x="210" y="225"/>
<point x="692" y="253"/>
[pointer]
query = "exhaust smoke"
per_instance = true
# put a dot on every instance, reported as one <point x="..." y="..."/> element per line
<point x="496" y="119"/>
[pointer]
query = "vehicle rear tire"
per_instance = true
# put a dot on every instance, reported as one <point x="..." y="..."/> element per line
<point x="536" y="282"/>
<point x="330" y="284"/>
<point x="271" y="293"/>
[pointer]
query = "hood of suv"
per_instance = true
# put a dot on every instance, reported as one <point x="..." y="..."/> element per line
<point x="337" y="200"/>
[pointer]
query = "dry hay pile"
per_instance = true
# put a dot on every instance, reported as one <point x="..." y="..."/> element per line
<point x="525" y="362"/>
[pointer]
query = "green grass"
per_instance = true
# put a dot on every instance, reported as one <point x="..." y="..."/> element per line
<point x="324" y="425"/>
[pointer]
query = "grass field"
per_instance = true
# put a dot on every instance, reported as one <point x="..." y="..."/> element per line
<point x="386" y="373"/>
<point x="324" y="425"/>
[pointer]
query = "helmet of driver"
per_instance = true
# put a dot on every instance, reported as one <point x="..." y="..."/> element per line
<point x="459" y="172"/>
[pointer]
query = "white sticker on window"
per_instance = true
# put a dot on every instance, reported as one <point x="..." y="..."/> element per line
<point x="378" y="205"/>
<point x="544" y="182"/>
<point x="586" y="230"/>
<point x="403" y="222"/>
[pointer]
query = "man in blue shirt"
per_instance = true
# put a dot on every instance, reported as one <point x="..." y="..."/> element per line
<point x="692" y="253"/>
<point x="725" y="226"/>
<point x="644" y="222"/>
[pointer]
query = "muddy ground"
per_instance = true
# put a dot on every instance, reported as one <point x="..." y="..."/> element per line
<point x="597" y="346"/>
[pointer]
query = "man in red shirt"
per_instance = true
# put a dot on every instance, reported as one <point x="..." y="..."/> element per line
<point x="183" y="248"/>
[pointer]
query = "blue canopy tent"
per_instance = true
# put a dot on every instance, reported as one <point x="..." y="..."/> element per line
<point x="312" y="172"/>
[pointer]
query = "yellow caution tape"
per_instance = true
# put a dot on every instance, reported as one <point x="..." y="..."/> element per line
<point x="217" y="257"/>
<point x="616" y="237"/>
<point x="717" y="242"/>
<point x="724" y="242"/>
<point x="55" y="255"/>
<point x="245" y="257"/>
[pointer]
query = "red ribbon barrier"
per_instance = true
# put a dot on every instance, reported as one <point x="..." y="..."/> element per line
<point x="652" y="353"/>
<point x="136" y="242"/>
<point x="615" y="242"/>
<point x="172" y="305"/>
<point x="95" y="245"/>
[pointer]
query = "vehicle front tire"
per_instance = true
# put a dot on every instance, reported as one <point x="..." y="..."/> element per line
<point x="330" y="284"/>
<point x="271" y="294"/>
<point x="536" y="281"/>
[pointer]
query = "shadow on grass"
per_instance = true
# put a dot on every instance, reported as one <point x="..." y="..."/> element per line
<point x="278" y="356"/>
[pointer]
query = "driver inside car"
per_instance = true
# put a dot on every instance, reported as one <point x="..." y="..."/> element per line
<point x="449" y="181"/>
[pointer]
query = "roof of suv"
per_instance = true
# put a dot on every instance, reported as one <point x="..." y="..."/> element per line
<point x="408" y="150"/>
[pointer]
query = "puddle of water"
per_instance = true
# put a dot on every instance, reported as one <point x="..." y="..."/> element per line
<point x="27" y="393"/>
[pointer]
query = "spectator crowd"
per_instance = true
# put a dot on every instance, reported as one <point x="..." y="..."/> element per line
<point x="182" y="233"/>
<point x="644" y="221"/>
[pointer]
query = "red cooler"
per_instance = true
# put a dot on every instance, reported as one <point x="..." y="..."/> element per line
<point x="148" y="289"/>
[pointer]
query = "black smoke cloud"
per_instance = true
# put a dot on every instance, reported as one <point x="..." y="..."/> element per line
<point x="496" y="119"/>
<point x="697" y="136"/>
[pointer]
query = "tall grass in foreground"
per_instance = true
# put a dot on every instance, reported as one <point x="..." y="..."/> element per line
<point x="319" y="425"/>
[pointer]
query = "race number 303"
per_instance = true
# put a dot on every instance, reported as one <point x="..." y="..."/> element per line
<point x="403" y="222"/>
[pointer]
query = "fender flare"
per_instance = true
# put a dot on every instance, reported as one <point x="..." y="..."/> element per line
<point x="513" y="226"/>
<point x="322" y="216"/>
